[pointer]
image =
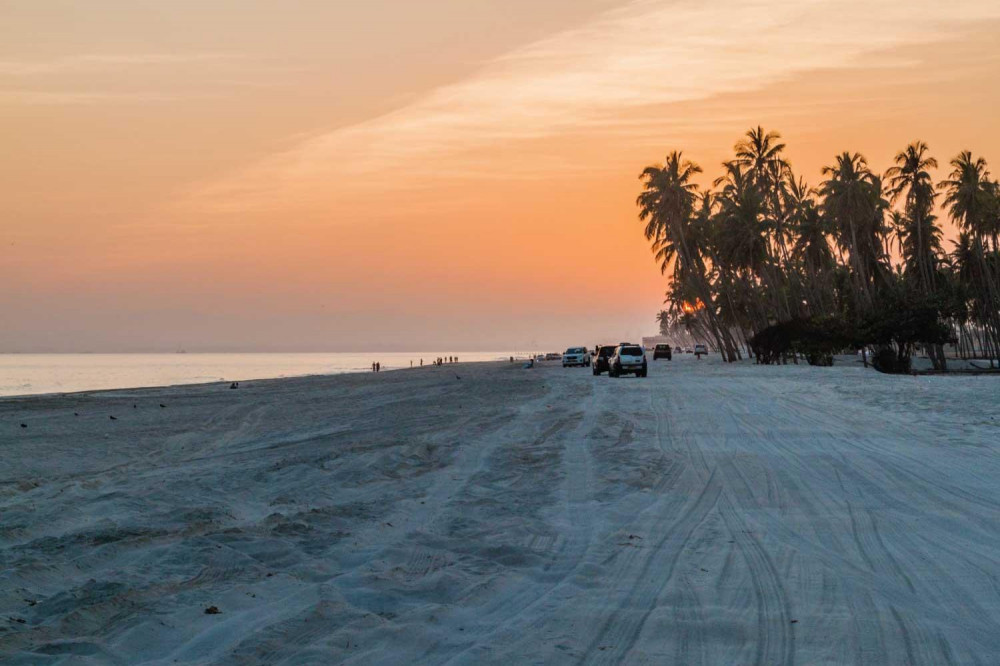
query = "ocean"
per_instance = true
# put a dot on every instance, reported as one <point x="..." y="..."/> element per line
<point x="33" y="374"/>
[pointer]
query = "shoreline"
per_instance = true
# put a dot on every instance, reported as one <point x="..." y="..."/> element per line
<point x="236" y="367"/>
<point x="194" y="385"/>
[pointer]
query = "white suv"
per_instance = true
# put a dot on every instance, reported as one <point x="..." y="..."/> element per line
<point x="628" y="358"/>
<point x="576" y="356"/>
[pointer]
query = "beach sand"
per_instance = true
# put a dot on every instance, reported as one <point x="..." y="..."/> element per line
<point x="709" y="514"/>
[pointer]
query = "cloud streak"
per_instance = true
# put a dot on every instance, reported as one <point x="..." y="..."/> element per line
<point x="54" y="98"/>
<point x="597" y="78"/>
<point x="97" y="62"/>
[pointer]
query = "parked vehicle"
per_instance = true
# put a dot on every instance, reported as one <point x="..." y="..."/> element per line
<point x="700" y="349"/>
<point x="627" y="359"/>
<point x="576" y="356"/>
<point x="662" y="350"/>
<point x="599" y="363"/>
<point x="553" y="356"/>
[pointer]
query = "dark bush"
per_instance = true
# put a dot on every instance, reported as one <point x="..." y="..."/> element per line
<point x="887" y="360"/>
<point x="818" y="339"/>
<point x="900" y="320"/>
<point x="903" y="321"/>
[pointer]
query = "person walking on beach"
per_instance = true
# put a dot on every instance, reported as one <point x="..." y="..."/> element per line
<point x="378" y="367"/>
<point x="373" y="366"/>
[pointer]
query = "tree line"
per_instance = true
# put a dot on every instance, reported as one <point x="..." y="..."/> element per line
<point x="763" y="264"/>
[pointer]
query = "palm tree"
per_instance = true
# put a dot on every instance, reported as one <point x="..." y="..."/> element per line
<point x="910" y="175"/>
<point x="745" y="224"/>
<point x="665" y="322"/>
<point x="696" y="236"/>
<point x="666" y="205"/>
<point x="968" y="194"/>
<point x="852" y="201"/>
<point x="742" y="226"/>
<point x="739" y="254"/>
<point x="812" y="250"/>
<point x="797" y="196"/>
<point x="759" y="153"/>
<point x="920" y="244"/>
<point x="920" y="238"/>
<point x="972" y="202"/>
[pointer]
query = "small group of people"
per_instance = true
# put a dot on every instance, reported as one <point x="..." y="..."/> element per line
<point x="441" y="360"/>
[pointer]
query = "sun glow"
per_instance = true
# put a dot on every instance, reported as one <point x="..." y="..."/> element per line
<point x="691" y="308"/>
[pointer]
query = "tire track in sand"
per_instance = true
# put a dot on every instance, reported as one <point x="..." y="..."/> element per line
<point x="620" y="631"/>
<point x="573" y="550"/>
<point x="774" y="633"/>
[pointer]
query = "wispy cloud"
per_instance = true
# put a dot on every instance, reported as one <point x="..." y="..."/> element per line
<point x="96" y="62"/>
<point x="53" y="98"/>
<point x="597" y="78"/>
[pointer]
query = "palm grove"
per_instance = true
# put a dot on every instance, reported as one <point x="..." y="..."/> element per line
<point x="765" y="265"/>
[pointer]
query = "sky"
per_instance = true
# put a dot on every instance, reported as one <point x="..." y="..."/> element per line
<point x="254" y="175"/>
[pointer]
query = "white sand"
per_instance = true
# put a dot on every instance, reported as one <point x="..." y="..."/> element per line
<point x="709" y="514"/>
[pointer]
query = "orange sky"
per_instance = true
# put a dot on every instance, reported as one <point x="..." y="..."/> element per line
<point x="450" y="173"/>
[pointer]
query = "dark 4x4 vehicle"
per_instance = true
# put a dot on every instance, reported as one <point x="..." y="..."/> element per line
<point x="600" y="360"/>
<point x="662" y="351"/>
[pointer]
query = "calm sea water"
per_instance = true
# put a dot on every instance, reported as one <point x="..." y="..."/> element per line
<point x="32" y="374"/>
